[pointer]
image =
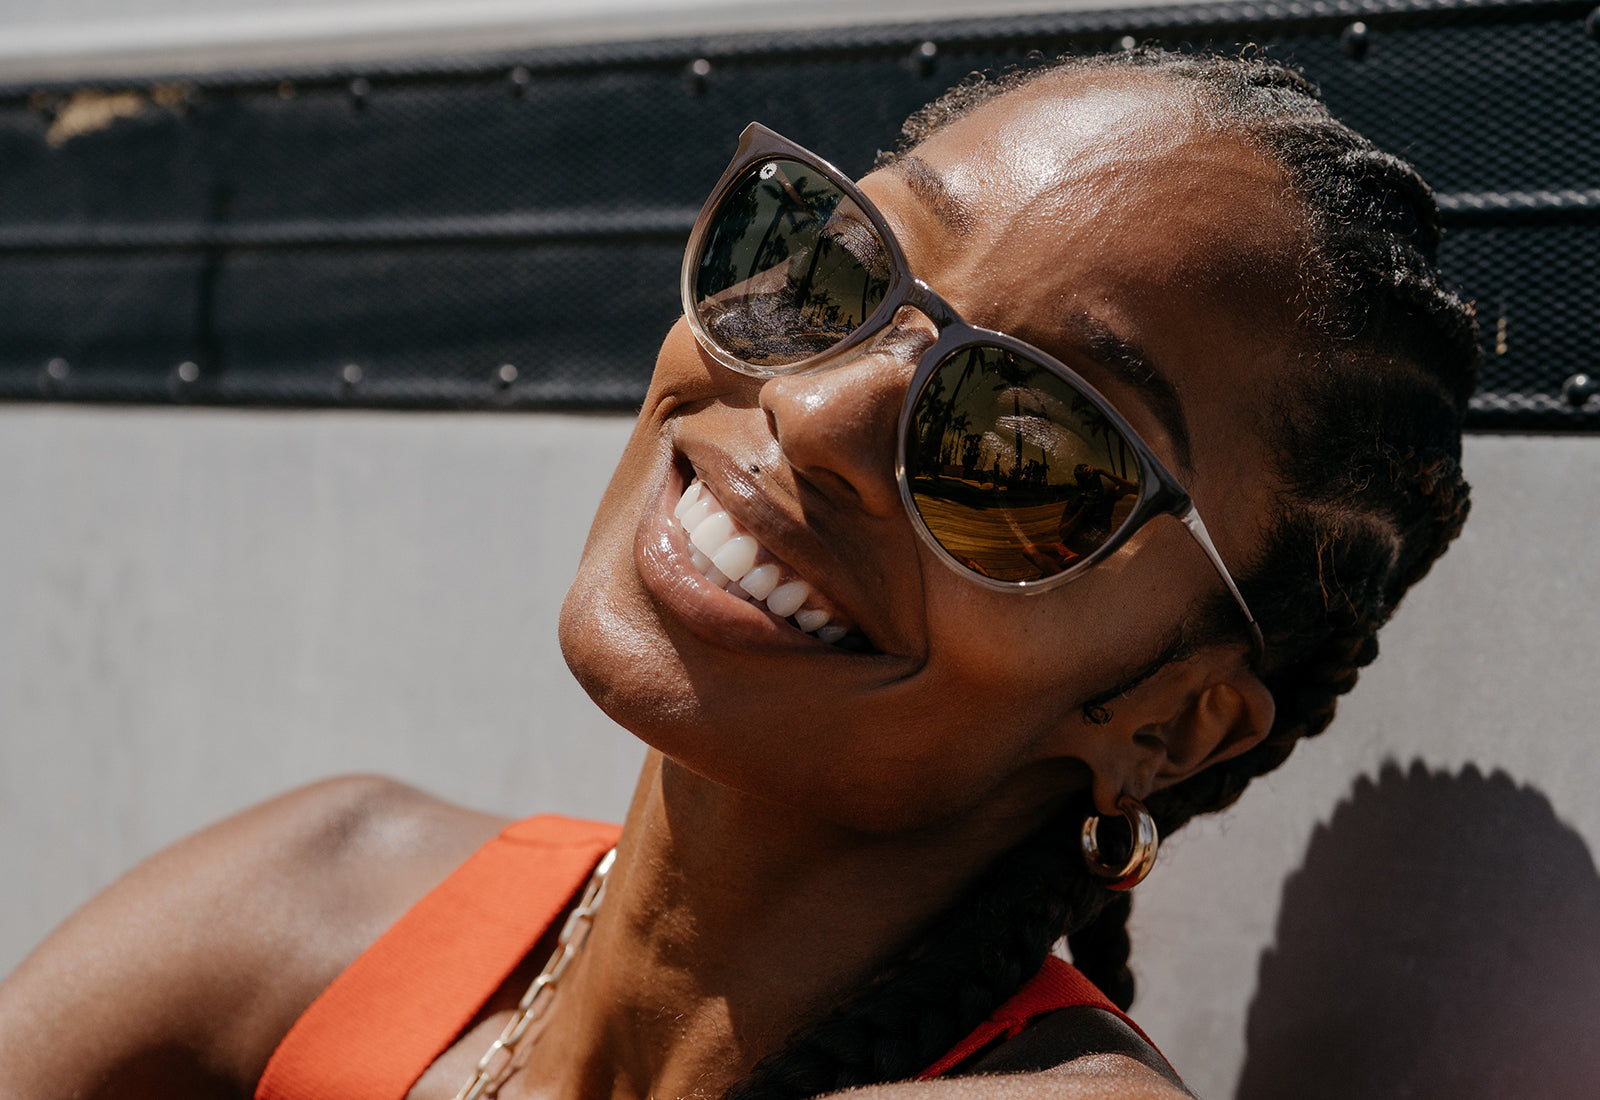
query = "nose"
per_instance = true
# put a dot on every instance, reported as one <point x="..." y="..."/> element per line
<point x="836" y="426"/>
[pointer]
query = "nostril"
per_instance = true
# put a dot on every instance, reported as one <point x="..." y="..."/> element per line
<point x="835" y="428"/>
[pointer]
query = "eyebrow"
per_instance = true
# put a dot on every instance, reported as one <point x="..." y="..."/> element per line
<point x="1128" y="362"/>
<point x="928" y="185"/>
<point x="1124" y="359"/>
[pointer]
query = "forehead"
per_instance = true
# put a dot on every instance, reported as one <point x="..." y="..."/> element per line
<point x="1114" y="196"/>
<point x="1119" y="174"/>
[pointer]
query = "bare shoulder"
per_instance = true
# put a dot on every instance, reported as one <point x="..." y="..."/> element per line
<point x="1071" y="1053"/>
<point x="1092" y="1077"/>
<point x="180" y="978"/>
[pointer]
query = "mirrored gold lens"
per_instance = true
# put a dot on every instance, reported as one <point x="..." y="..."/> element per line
<point x="789" y="266"/>
<point x="1014" y="471"/>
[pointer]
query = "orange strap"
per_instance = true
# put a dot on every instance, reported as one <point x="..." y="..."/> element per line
<point x="1058" y="984"/>
<point x="387" y="1018"/>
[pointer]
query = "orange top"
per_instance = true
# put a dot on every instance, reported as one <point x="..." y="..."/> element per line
<point x="389" y="1016"/>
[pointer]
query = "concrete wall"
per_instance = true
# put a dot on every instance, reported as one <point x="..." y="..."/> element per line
<point x="1409" y="906"/>
<point x="199" y="608"/>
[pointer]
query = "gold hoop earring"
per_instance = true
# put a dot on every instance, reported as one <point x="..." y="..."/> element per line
<point x="1142" y="857"/>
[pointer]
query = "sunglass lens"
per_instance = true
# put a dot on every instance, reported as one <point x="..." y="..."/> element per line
<point x="1017" y="474"/>
<point x="788" y="268"/>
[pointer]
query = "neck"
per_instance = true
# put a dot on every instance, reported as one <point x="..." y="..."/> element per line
<point x="729" y="922"/>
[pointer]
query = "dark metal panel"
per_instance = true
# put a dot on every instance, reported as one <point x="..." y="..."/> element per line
<point x="397" y="236"/>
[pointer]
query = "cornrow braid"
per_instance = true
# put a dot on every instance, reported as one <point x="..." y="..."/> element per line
<point x="1368" y="443"/>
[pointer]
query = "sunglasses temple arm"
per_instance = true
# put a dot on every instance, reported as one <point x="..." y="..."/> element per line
<point x="1191" y="519"/>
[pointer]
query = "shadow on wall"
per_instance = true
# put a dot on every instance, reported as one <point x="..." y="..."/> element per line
<point x="1442" y="939"/>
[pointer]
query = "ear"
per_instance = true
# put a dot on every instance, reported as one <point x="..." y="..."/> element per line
<point x="1189" y="715"/>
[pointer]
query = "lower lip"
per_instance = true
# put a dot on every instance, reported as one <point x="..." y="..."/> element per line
<point x="661" y="554"/>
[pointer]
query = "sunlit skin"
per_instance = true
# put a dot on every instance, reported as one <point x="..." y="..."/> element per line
<point x="841" y="791"/>
<point x="1099" y="217"/>
<point x="805" y="808"/>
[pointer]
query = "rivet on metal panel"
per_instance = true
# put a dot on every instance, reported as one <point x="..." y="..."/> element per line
<point x="360" y="88"/>
<point x="1592" y="24"/>
<point x="351" y="374"/>
<point x="1577" y="390"/>
<point x="520" y="78"/>
<point x="506" y="375"/>
<point x="188" y="371"/>
<point x="695" y="75"/>
<point x="58" y="369"/>
<point x="923" y="57"/>
<point x="1354" y="39"/>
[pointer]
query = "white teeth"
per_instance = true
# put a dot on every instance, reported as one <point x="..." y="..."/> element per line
<point x="726" y="557"/>
<point x="760" y="581"/>
<point x="786" y="599"/>
<point x="709" y="535"/>
<point x="690" y="496"/>
<point x="694" y="515"/>
<point x="811" y="619"/>
<point x="737" y="556"/>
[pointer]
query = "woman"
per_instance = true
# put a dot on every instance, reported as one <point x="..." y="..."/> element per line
<point x="902" y="609"/>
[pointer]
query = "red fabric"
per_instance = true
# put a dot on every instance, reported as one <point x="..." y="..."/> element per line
<point x="1058" y="984"/>
<point x="389" y="1016"/>
<point x="408" y="996"/>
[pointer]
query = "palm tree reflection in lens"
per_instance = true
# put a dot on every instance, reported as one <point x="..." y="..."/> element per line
<point x="789" y="268"/>
<point x="1014" y="472"/>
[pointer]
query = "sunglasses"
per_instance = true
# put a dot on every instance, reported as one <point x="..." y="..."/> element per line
<point x="1014" y="469"/>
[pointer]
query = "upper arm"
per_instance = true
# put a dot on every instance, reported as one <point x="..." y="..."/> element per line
<point x="180" y="978"/>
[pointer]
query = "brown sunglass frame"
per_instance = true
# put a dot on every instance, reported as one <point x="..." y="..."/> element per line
<point x="1160" y="493"/>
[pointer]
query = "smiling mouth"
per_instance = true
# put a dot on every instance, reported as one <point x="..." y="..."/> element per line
<point x="734" y="561"/>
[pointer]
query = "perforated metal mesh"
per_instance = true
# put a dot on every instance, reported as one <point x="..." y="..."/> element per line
<point x="403" y="235"/>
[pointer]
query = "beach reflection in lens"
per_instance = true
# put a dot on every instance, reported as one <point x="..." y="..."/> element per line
<point x="1015" y="473"/>
<point x="789" y="266"/>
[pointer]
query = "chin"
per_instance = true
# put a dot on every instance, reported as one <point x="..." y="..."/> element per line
<point x="618" y="656"/>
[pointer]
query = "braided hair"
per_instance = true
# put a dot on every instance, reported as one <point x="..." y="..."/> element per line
<point x="1368" y="447"/>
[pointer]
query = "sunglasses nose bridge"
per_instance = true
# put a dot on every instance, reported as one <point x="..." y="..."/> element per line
<point x="928" y="302"/>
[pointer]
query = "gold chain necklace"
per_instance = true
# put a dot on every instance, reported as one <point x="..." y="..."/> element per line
<point x="494" y="1068"/>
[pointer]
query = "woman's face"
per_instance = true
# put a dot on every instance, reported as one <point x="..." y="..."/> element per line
<point x="1080" y="206"/>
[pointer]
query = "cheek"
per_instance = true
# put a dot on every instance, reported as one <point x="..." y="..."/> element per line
<point x="682" y="372"/>
<point x="1026" y="650"/>
<point x="680" y="375"/>
<point x="1036" y="658"/>
<point x="605" y="623"/>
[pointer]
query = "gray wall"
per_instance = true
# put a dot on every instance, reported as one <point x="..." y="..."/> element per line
<point x="1447" y="918"/>
<point x="199" y="608"/>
